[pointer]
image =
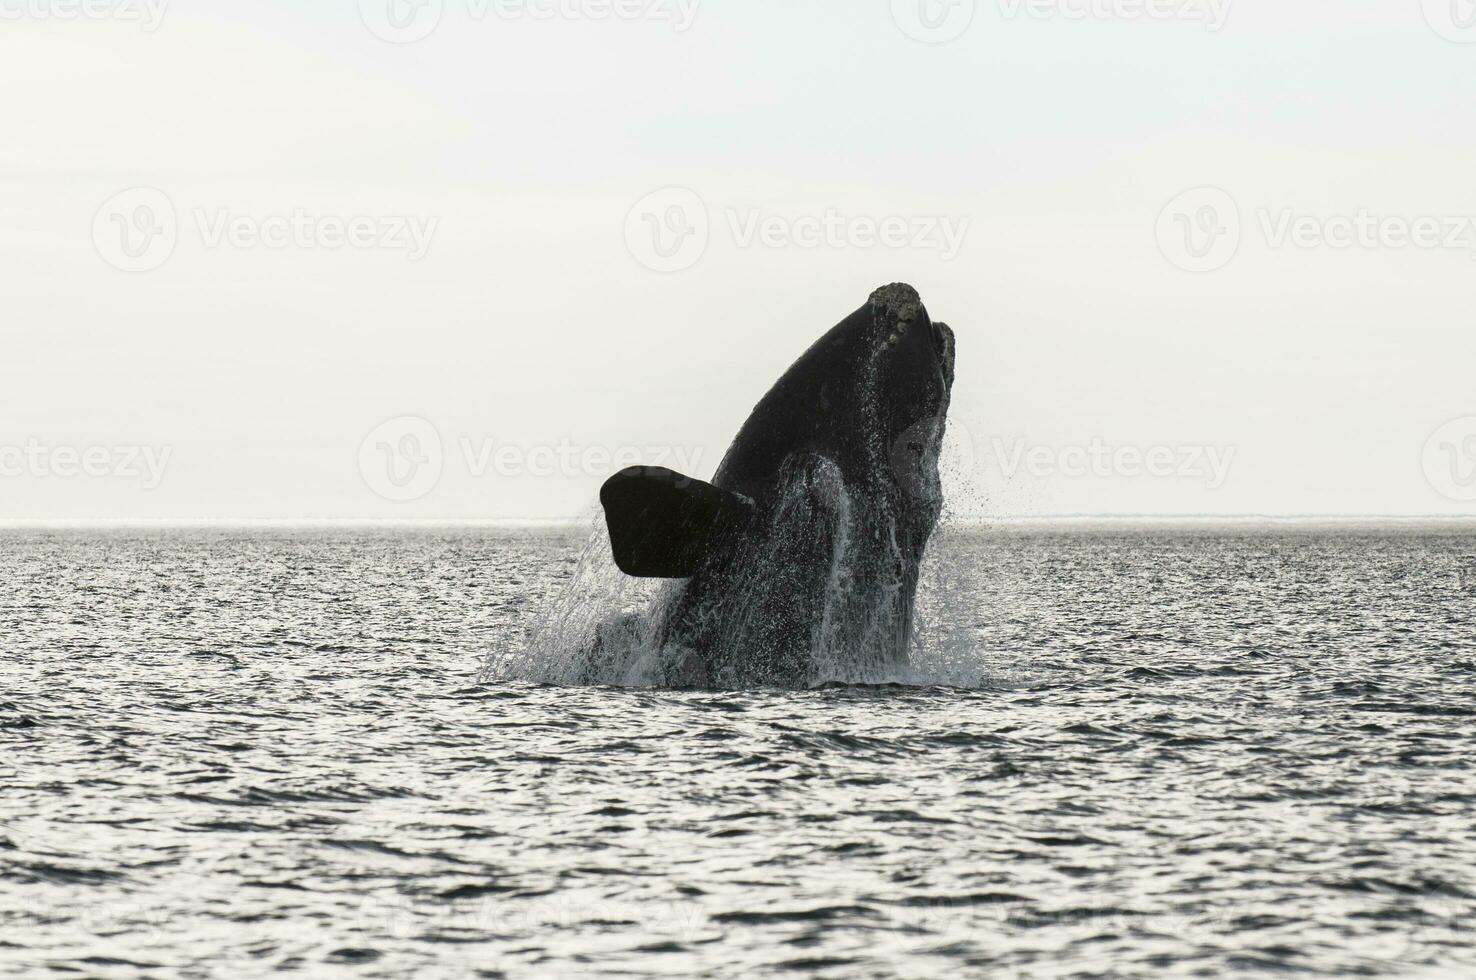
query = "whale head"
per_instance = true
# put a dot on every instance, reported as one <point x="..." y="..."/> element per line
<point x="870" y="396"/>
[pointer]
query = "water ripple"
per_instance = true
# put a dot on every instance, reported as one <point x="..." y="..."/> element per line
<point x="1133" y="754"/>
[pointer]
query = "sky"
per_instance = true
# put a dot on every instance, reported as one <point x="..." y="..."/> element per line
<point x="461" y="259"/>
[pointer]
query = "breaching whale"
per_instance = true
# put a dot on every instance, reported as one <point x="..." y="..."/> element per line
<point x="798" y="564"/>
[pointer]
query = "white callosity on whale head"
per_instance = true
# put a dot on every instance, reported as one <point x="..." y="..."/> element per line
<point x="899" y="300"/>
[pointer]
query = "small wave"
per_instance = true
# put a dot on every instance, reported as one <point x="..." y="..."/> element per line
<point x="828" y="913"/>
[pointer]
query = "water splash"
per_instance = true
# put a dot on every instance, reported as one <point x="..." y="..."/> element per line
<point x="607" y="628"/>
<point x="948" y="649"/>
<point x="600" y="610"/>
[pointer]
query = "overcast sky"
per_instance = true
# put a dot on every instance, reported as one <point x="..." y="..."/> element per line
<point x="459" y="260"/>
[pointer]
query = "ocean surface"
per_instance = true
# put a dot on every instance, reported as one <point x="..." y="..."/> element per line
<point x="1121" y="751"/>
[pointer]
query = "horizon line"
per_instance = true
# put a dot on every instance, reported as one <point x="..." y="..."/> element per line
<point x="553" y="523"/>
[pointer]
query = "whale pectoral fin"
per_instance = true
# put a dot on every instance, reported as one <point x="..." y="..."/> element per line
<point x="664" y="525"/>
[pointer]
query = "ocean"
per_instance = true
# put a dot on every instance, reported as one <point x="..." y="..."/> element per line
<point x="1121" y="750"/>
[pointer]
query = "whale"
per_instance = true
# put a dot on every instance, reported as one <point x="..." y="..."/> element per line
<point x="797" y="564"/>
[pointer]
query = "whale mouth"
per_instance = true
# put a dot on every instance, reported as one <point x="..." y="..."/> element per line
<point x="914" y="357"/>
<point x="943" y="344"/>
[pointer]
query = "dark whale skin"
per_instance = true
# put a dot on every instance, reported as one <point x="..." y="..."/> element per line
<point x="839" y="460"/>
